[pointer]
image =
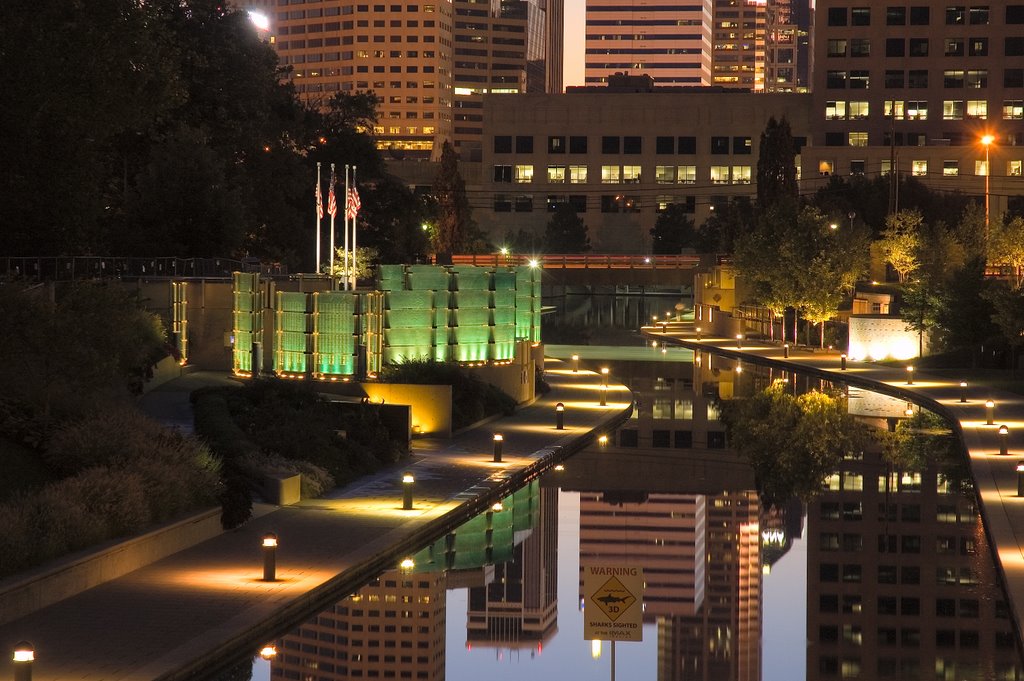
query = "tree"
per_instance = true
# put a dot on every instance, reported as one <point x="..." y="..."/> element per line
<point x="727" y="223"/>
<point x="1008" y="316"/>
<point x="901" y="241"/>
<point x="776" y="164"/>
<point x="965" y="316"/>
<point x="1006" y="249"/>
<point x="391" y="221"/>
<point x="792" y="442"/>
<point x="454" y="218"/>
<point x="566" y="232"/>
<point x="673" y="230"/>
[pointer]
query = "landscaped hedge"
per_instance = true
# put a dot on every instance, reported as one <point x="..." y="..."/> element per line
<point x="273" y="426"/>
<point x="472" y="399"/>
<point x="119" y="473"/>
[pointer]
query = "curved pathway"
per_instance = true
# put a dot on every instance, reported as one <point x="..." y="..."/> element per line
<point x="207" y="606"/>
<point x="995" y="475"/>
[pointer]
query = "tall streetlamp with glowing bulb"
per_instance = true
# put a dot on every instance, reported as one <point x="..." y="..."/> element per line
<point x="986" y="141"/>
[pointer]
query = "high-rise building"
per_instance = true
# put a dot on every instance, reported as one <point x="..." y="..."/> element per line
<point x="671" y="43"/>
<point x="428" y="63"/>
<point x="738" y="44"/>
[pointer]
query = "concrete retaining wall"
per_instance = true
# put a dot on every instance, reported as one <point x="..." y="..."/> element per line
<point x="67" y="577"/>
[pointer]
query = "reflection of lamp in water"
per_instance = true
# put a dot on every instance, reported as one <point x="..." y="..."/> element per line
<point x="909" y="411"/>
<point x="910" y="375"/>
<point x="699" y="333"/>
<point x="604" y="395"/>
<point x="739" y="341"/>
<point x="1004" y="436"/>
<point x="842" y="362"/>
<point x="268" y="651"/>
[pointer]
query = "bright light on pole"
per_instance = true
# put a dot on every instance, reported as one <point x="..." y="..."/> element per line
<point x="260" y="20"/>
<point x="986" y="141"/>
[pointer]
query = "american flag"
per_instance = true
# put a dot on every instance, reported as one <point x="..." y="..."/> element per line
<point x="352" y="205"/>
<point x="332" y="202"/>
<point x="319" y="203"/>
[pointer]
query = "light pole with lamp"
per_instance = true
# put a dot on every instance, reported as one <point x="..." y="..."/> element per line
<point x="986" y="141"/>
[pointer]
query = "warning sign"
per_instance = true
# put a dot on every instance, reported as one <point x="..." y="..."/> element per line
<point x="613" y="603"/>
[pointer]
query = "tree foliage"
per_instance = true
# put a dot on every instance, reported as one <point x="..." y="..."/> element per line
<point x="1006" y="248"/>
<point x="901" y="241"/>
<point x="673" y="230"/>
<point x="776" y="165"/>
<point x="566" y="232"/>
<point x="454" y="216"/>
<point x="792" y="442"/>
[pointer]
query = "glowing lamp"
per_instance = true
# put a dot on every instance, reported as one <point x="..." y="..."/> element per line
<point x="910" y="375"/>
<point x="963" y="391"/>
<point x="407" y="482"/>
<point x="1004" y="436"/>
<point x="499" y="440"/>
<point x="559" y="416"/>
<point x="268" y="651"/>
<point x="269" y="557"/>
<point x="24" y="652"/>
<point x="990" y="413"/>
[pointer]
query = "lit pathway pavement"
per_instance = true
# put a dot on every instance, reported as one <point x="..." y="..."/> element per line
<point x="207" y="606"/>
<point x="995" y="475"/>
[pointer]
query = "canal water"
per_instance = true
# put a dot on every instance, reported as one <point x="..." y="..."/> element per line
<point x="886" y="573"/>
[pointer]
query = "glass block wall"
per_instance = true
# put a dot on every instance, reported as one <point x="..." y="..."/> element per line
<point x="291" y="333"/>
<point x="247" y="319"/>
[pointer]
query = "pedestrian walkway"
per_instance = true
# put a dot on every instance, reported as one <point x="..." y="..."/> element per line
<point x="975" y="412"/>
<point x="208" y="605"/>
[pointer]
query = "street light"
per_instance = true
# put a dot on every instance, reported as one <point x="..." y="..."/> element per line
<point x="1004" y="435"/>
<point x="851" y="215"/>
<point x="407" y="482"/>
<point x="269" y="557"/>
<point x="24" y="656"/>
<point x="986" y="141"/>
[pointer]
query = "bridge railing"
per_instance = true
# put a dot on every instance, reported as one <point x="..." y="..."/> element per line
<point x="582" y="261"/>
<point x="52" y="268"/>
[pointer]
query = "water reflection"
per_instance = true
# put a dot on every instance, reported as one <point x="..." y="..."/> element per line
<point x="893" y="562"/>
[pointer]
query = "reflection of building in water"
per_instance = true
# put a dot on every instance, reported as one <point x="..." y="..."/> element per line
<point x="701" y="561"/>
<point x="519" y="607"/>
<point x="392" y="628"/>
<point x="901" y="580"/>
<point x="779" y="527"/>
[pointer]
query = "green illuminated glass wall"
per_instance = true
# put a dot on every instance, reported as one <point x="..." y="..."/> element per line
<point x="247" y="320"/>
<point x="334" y="339"/>
<point x="488" y="538"/>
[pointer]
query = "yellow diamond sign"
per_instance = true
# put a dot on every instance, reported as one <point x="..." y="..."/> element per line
<point x="613" y="602"/>
<point x="613" y="598"/>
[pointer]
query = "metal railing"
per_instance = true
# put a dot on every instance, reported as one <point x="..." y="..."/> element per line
<point x="583" y="261"/>
<point x="69" y="268"/>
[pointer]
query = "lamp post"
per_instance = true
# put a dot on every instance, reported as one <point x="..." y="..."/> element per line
<point x="604" y="376"/>
<point x="851" y="215"/>
<point x="785" y="350"/>
<point x="842" y="362"/>
<point x="910" y="375"/>
<point x="1004" y="435"/>
<point x="990" y="413"/>
<point x="24" y="656"/>
<point x="986" y="141"/>
<point x="575" y="363"/>
<point x="559" y="416"/>
<point x="739" y="341"/>
<point x="604" y="396"/>
<point x="698" y="334"/>
<point x="499" y="440"/>
<point x="963" y="391"/>
<point x="407" y="482"/>
<point x="269" y="557"/>
<point x="1020" y="478"/>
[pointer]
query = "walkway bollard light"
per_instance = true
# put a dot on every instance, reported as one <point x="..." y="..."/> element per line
<point x="24" y="656"/>
<point x="1020" y="478"/>
<point x="1004" y="436"/>
<point x="785" y="350"/>
<point x="575" y="363"/>
<point x="699" y="330"/>
<point x="269" y="557"/>
<point x="910" y="375"/>
<point x="604" y="396"/>
<point x="842" y="362"/>
<point x="909" y="411"/>
<point x="990" y="413"/>
<point x="963" y="391"/>
<point x="499" y="440"/>
<point x="407" y="482"/>
<point x="604" y="376"/>
<point x="559" y="416"/>
<point x="739" y="341"/>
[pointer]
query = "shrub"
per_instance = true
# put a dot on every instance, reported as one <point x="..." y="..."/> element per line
<point x="315" y="480"/>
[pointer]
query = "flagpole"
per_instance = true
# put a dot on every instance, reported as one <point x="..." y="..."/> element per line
<point x="346" y="226"/>
<point x="316" y="269"/>
<point x="354" y="218"/>
<point x="331" y="254"/>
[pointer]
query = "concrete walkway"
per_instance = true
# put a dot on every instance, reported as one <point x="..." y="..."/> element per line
<point x="995" y="475"/>
<point x="208" y="606"/>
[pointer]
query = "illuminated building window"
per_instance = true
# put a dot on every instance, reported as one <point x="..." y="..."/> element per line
<point x="556" y="174"/>
<point x="610" y="175"/>
<point x="857" y="139"/>
<point x="686" y="174"/>
<point x="662" y="202"/>
<point x="893" y="107"/>
<point x="977" y="108"/>
<point x="577" y="174"/>
<point x="741" y="174"/>
<point x="952" y="110"/>
<point x="1013" y="109"/>
<point x="853" y="481"/>
<point x="826" y="167"/>
<point x="523" y="173"/>
<point x="720" y="174"/>
<point x="665" y="174"/>
<point x="951" y="168"/>
<point x="631" y="174"/>
<point x="1013" y="168"/>
<point x="917" y="110"/>
<point x="835" y="111"/>
<point x="858" y="110"/>
<point x="980" y="168"/>
<point x="919" y="168"/>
